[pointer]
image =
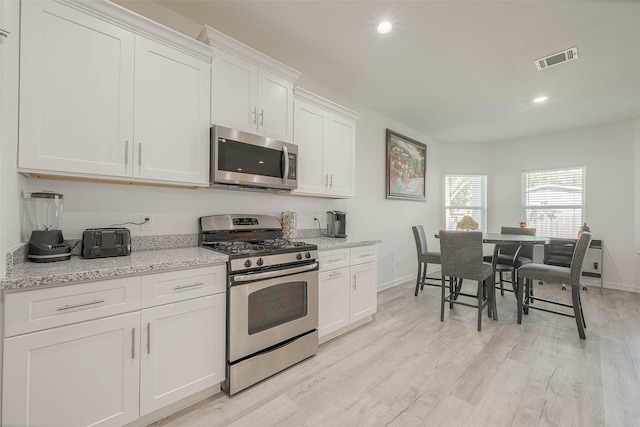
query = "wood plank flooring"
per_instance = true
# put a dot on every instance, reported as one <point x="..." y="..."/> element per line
<point x="406" y="368"/>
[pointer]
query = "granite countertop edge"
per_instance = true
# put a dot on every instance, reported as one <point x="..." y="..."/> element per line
<point x="32" y="275"/>
<point x="325" y="243"/>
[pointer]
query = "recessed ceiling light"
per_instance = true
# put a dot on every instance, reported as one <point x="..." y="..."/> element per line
<point x="384" y="27"/>
<point x="540" y="99"/>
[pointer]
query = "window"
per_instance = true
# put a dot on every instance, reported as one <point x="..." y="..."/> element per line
<point x="465" y="195"/>
<point x="554" y="201"/>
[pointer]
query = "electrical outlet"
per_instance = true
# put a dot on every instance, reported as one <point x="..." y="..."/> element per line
<point x="148" y="225"/>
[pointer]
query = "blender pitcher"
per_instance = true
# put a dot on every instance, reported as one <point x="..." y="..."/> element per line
<point x="44" y="212"/>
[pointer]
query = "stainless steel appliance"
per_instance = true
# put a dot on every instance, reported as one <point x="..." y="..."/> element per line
<point x="105" y="242"/>
<point x="336" y="224"/>
<point x="272" y="296"/>
<point x="241" y="160"/>
<point x="44" y="213"/>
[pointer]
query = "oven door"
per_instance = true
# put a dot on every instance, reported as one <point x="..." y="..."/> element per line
<point x="246" y="159"/>
<point x="266" y="312"/>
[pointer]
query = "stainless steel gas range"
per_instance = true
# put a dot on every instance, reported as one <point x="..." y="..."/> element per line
<point x="272" y="296"/>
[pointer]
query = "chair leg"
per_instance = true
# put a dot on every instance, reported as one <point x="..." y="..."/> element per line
<point x="575" y="296"/>
<point x="492" y="297"/>
<point x="453" y="290"/>
<point x="480" y="298"/>
<point x="419" y="279"/>
<point x="519" y="298"/>
<point x="528" y="293"/>
<point x="442" y="299"/>
<point x="424" y="276"/>
<point x="501" y="283"/>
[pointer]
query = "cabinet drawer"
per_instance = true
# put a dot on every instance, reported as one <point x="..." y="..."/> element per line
<point x="363" y="254"/>
<point x="39" y="309"/>
<point x="173" y="286"/>
<point x="330" y="260"/>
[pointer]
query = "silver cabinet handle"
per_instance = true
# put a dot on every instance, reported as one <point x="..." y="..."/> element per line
<point x="355" y="282"/>
<point x="133" y="343"/>
<point x="335" y="260"/>
<point x="82" y="304"/>
<point x="4" y="33"/>
<point x="255" y="116"/>
<point x="148" y="338"/>
<point x="326" y="180"/>
<point x="262" y="118"/>
<point x="335" y="274"/>
<point x="140" y="154"/>
<point x="331" y="181"/>
<point x="126" y="152"/>
<point x="179" y="288"/>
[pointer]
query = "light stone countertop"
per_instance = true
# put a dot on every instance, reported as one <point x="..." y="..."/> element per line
<point x="31" y="274"/>
<point x="327" y="243"/>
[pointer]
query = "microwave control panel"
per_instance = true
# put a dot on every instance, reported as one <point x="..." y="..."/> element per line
<point x="293" y="166"/>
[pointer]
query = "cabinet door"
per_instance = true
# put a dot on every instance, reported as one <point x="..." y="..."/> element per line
<point x="77" y="375"/>
<point x="364" y="291"/>
<point x="310" y="132"/>
<point x="234" y="92"/>
<point x="76" y="92"/>
<point x="340" y="154"/>
<point x="333" y="301"/>
<point x="275" y="106"/>
<point x="171" y="117"/>
<point x="183" y="350"/>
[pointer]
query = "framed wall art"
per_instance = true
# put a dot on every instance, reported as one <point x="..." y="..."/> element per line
<point x="406" y="167"/>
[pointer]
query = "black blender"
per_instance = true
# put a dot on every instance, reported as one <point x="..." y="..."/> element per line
<point x="44" y="211"/>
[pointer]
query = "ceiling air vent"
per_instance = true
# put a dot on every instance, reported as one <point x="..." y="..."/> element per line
<point x="557" y="58"/>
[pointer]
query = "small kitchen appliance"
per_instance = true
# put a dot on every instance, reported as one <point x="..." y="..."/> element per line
<point x="272" y="296"/>
<point x="105" y="242"/>
<point x="336" y="224"/>
<point x="44" y="212"/>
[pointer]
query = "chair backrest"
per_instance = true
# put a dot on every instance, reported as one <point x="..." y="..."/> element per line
<point x="527" y="250"/>
<point x="559" y="251"/>
<point x="578" y="257"/>
<point x="461" y="254"/>
<point x="421" y="240"/>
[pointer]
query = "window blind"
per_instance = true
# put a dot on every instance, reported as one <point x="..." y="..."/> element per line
<point x="554" y="201"/>
<point x="465" y="195"/>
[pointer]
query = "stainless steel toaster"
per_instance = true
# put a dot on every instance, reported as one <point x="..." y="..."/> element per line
<point x="105" y="242"/>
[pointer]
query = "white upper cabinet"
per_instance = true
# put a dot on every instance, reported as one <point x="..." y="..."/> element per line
<point x="100" y="99"/>
<point x="325" y="133"/>
<point x="250" y="91"/>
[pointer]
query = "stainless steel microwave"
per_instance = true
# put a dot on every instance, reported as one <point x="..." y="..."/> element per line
<point x="240" y="159"/>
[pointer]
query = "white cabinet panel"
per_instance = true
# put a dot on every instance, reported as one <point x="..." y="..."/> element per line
<point x="234" y="93"/>
<point x="76" y="92"/>
<point x="364" y="291"/>
<point x="78" y="375"/>
<point x="174" y="286"/>
<point x="183" y="350"/>
<point x="333" y="300"/>
<point x="340" y="155"/>
<point x="275" y="106"/>
<point x="310" y="132"/>
<point x="171" y="115"/>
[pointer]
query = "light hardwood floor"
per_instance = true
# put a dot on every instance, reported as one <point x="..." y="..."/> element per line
<point x="409" y="369"/>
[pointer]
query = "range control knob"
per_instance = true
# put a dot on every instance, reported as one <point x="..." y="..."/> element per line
<point x="299" y="256"/>
<point x="247" y="263"/>
<point x="307" y="255"/>
<point x="260" y="261"/>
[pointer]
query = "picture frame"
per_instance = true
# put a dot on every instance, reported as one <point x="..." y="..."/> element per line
<point x="406" y="168"/>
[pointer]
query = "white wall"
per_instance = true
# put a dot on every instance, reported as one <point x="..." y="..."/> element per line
<point x="607" y="152"/>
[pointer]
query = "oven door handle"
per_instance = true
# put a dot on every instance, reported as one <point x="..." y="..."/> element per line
<point x="271" y="274"/>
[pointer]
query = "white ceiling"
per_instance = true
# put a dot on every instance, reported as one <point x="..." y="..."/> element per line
<point x="457" y="71"/>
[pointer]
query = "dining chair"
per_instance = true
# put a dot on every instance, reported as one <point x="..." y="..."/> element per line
<point x="570" y="276"/>
<point x="510" y="257"/>
<point x="461" y="257"/>
<point x="424" y="258"/>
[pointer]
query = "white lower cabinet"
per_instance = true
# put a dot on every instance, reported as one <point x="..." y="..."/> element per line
<point x="181" y="353"/>
<point x="347" y="295"/>
<point x="76" y="375"/>
<point x="65" y="364"/>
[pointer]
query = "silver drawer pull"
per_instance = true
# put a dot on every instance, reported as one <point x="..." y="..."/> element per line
<point x="335" y="260"/>
<point x="4" y="33"/>
<point x="179" y="288"/>
<point x="365" y="255"/>
<point x="69" y="307"/>
<point x="335" y="273"/>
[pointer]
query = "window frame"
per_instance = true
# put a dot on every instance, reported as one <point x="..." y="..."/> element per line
<point x="583" y="206"/>
<point x="482" y="222"/>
